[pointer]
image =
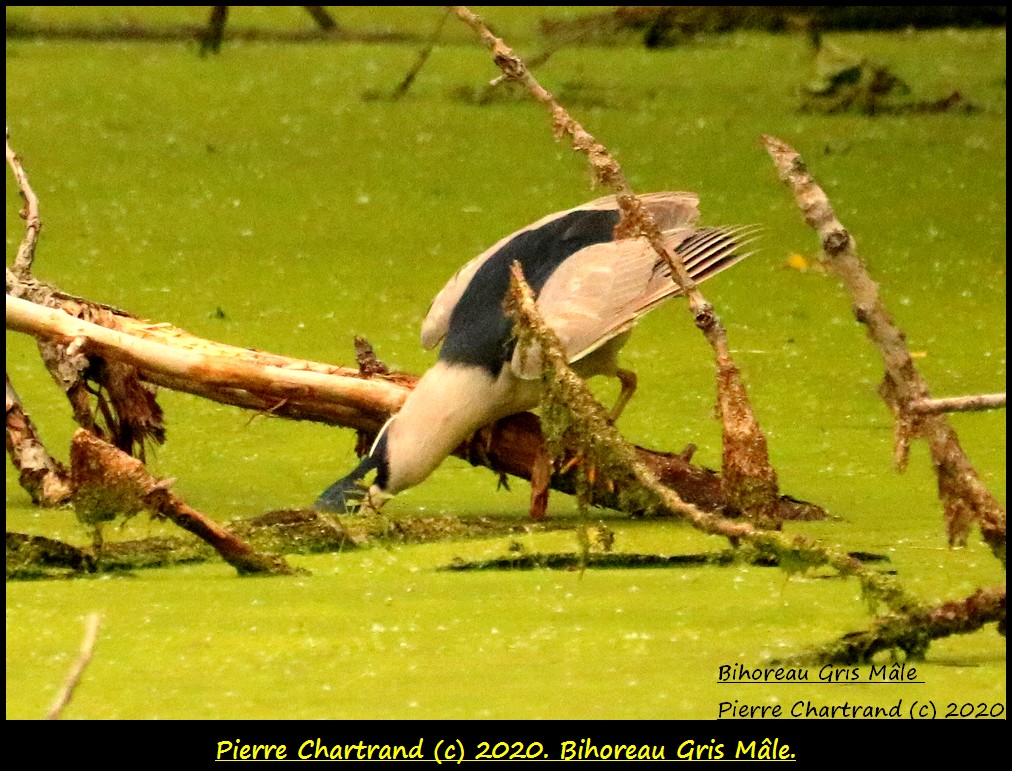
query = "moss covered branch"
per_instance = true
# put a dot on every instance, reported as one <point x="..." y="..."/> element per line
<point x="574" y="418"/>
<point x="913" y="633"/>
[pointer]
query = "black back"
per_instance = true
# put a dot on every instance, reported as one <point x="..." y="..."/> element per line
<point x="479" y="332"/>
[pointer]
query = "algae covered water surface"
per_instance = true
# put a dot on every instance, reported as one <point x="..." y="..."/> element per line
<point x="270" y="197"/>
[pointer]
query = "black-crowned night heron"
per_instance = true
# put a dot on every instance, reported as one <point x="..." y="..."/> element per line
<point x="591" y="290"/>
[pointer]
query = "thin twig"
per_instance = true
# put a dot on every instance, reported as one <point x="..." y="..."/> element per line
<point x="964" y="496"/>
<point x="975" y="403"/>
<point x="29" y="213"/>
<point x="423" y="56"/>
<point x="91" y="624"/>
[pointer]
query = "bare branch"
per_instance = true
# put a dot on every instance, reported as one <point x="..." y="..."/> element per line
<point x="572" y="411"/>
<point x="29" y="213"/>
<point x="964" y="496"/>
<point x="975" y="403"/>
<point x="91" y="624"/>
<point x="42" y="476"/>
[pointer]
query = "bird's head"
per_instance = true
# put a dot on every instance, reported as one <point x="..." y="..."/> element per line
<point x="354" y="493"/>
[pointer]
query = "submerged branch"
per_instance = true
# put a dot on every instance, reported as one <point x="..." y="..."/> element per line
<point x="91" y="624"/>
<point x="41" y="475"/>
<point x="423" y="57"/>
<point x="914" y="633"/>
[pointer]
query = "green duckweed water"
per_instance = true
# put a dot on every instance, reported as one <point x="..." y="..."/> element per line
<point x="262" y="198"/>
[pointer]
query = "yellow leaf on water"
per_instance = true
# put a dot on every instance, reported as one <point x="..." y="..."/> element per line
<point x="797" y="262"/>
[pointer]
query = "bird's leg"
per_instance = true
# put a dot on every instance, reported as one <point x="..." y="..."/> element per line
<point x="628" y="380"/>
<point x="570" y="464"/>
<point x="541" y="477"/>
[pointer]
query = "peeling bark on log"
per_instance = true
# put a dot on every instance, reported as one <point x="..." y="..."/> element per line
<point x="125" y="411"/>
<point x="306" y="390"/>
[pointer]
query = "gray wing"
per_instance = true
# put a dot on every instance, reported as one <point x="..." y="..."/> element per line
<point x="603" y="290"/>
<point x="671" y="210"/>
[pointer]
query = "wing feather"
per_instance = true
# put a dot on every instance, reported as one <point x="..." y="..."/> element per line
<point x="603" y="290"/>
<point x="671" y="210"/>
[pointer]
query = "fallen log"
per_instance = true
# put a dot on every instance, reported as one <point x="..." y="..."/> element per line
<point x="166" y="356"/>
